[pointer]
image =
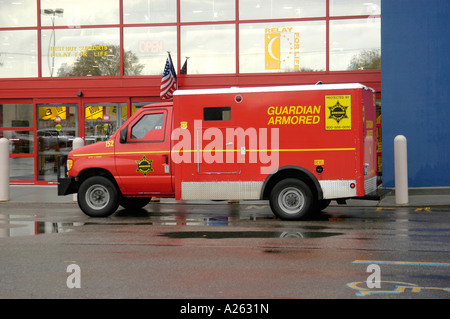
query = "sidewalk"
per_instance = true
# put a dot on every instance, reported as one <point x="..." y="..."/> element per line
<point x="418" y="197"/>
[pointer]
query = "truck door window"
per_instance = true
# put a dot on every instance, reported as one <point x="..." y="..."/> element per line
<point x="149" y="128"/>
<point x="217" y="113"/>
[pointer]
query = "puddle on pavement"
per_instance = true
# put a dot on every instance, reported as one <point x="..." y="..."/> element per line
<point x="118" y="223"/>
<point x="247" y="234"/>
<point x="30" y="228"/>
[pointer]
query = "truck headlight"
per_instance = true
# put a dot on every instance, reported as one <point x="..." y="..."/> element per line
<point x="69" y="164"/>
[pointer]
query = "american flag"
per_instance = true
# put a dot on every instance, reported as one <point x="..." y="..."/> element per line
<point x="168" y="80"/>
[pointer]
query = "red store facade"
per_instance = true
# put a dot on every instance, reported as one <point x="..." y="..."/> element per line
<point x="82" y="69"/>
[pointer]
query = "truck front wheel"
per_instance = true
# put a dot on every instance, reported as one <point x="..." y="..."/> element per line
<point x="291" y="199"/>
<point x="134" y="202"/>
<point x="98" y="197"/>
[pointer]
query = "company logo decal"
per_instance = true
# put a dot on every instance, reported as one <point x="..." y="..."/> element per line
<point x="144" y="165"/>
<point x="338" y="112"/>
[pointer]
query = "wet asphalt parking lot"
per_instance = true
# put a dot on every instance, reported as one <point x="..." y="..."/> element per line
<point x="223" y="250"/>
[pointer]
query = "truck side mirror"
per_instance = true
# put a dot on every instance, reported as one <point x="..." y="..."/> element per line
<point x="123" y="135"/>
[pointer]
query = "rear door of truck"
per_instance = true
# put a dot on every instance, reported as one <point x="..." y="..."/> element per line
<point x="370" y="141"/>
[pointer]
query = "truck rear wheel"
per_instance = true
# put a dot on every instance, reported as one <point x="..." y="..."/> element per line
<point x="291" y="199"/>
<point x="98" y="197"/>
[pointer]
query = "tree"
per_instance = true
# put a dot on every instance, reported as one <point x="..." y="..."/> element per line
<point x="366" y="60"/>
<point x="130" y="64"/>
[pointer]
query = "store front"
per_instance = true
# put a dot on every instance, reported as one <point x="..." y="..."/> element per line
<point x="44" y="129"/>
<point x="70" y="69"/>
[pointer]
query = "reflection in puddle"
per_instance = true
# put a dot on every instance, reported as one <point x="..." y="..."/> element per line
<point x="247" y="234"/>
<point x="29" y="228"/>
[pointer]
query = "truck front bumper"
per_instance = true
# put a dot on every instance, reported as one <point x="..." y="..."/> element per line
<point x="66" y="186"/>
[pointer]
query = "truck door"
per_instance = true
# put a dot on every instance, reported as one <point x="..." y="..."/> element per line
<point x="143" y="159"/>
<point x="221" y="157"/>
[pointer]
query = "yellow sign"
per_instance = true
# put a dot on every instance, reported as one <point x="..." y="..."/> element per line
<point x="51" y="112"/>
<point x="338" y="112"/>
<point x="273" y="58"/>
<point x="282" y="49"/>
<point x="319" y="162"/>
<point x="94" y="112"/>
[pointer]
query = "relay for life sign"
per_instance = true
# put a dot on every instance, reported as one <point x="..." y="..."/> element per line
<point x="282" y="48"/>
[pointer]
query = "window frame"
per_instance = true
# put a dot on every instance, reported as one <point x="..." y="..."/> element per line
<point x="141" y="116"/>
<point x="236" y="22"/>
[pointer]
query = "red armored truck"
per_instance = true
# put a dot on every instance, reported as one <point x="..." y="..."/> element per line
<point x="297" y="146"/>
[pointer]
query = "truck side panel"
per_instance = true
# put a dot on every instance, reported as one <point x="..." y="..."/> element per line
<point x="233" y="141"/>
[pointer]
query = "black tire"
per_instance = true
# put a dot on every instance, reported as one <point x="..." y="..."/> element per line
<point x="322" y="204"/>
<point x="291" y="199"/>
<point x="134" y="202"/>
<point x="98" y="197"/>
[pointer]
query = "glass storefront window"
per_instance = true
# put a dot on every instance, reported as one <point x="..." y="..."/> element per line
<point x="18" y="54"/>
<point x="21" y="168"/>
<point x="149" y="11"/>
<point x="102" y="120"/>
<point x="354" y="7"/>
<point x="355" y="44"/>
<point x="135" y="106"/>
<point x="81" y="12"/>
<point x="281" y="9"/>
<point x="16" y="124"/>
<point x="282" y="47"/>
<point x="146" y="49"/>
<point x="80" y="52"/>
<point x="82" y="38"/>
<point x="16" y="115"/>
<point x="57" y="126"/>
<point x="207" y="10"/>
<point x="21" y="142"/>
<point x="211" y="48"/>
<point x="18" y="13"/>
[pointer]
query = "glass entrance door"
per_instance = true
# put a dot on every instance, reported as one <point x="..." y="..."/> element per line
<point x="102" y="120"/>
<point x="56" y="129"/>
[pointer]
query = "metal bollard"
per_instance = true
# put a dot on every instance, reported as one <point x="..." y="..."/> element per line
<point x="401" y="170"/>
<point x="4" y="169"/>
<point x="77" y="143"/>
